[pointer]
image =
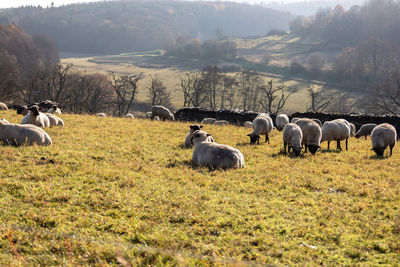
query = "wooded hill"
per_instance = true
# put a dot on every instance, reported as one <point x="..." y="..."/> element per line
<point x="120" y="26"/>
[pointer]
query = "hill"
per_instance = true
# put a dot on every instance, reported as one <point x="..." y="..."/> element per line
<point x="121" y="26"/>
<point x="112" y="190"/>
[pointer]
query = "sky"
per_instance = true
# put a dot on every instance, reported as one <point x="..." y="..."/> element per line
<point x="45" y="3"/>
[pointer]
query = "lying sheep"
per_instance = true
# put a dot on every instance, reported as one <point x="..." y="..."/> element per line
<point x="193" y="128"/>
<point x="221" y="122"/>
<point x="248" y="124"/>
<point x="213" y="154"/>
<point x="382" y="136"/>
<point x="352" y="129"/>
<point x="292" y="137"/>
<point x="262" y="125"/>
<point x="294" y="120"/>
<point x="54" y="110"/>
<point x="54" y="120"/>
<point x="161" y="112"/>
<point x="129" y="116"/>
<point x="3" y="106"/>
<point x="101" y="114"/>
<point x="281" y="121"/>
<point x="36" y="118"/>
<point x="336" y="130"/>
<point x="365" y="130"/>
<point x="208" y="121"/>
<point x="23" y="110"/>
<point x="312" y="134"/>
<point x="23" y="134"/>
<point x="5" y="121"/>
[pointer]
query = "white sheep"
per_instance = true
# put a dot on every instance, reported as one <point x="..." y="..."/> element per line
<point x="23" y="134"/>
<point x="193" y="128"/>
<point x="248" y="124"/>
<point x="148" y="114"/>
<point x="262" y="125"/>
<point x="336" y="130"/>
<point x="23" y="110"/>
<point x="101" y="114"/>
<point x="221" y="122"/>
<point x="213" y="154"/>
<point x="36" y="118"/>
<point x="382" y="136"/>
<point x="365" y="130"/>
<point x="281" y="121"/>
<point x="352" y="129"/>
<point x="208" y="121"/>
<point x="3" y="106"/>
<point x="292" y="138"/>
<point x="318" y="121"/>
<point x="129" y="116"/>
<point x="294" y="120"/>
<point x="162" y="112"/>
<point x="312" y="134"/>
<point x="54" y="120"/>
<point x="54" y="110"/>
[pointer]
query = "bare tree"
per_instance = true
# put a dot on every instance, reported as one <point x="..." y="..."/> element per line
<point x="212" y="79"/>
<point x="320" y="100"/>
<point x="125" y="88"/>
<point x="249" y="88"/>
<point x="274" y="98"/>
<point x="158" y="94"/>
<point x="193" y="88"/>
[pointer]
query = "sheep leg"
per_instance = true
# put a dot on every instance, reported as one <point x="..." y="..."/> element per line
<point x="338" y="145"/>
<point x="347" y="143"/>
<point x="305" y="148"/>
<point x="266" y="138"/>
<point x="391" y="149"/>
<point x="365" y="137"/>
<point x="329" y="142"/>
<point x="284" y="147"/>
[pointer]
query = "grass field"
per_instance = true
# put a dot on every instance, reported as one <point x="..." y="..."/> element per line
<point x="113" y="190"/>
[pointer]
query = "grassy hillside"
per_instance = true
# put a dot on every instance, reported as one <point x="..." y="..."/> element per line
<point x="112" y="190"/>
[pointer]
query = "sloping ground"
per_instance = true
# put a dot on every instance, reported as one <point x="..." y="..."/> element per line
<point x="115" y="190"/>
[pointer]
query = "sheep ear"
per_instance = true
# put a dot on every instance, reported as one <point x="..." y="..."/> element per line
<point x="372" y="148"/>
<point x="248" y="135"/>
<point x="208" y="134"/>
<point x="201" y="126"/>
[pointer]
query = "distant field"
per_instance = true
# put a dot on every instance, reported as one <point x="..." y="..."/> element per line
<point x="113" y="190"/>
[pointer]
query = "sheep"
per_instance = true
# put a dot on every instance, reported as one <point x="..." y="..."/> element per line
<point x="292" y="137"/>
<point x="20" y="134"/>
<point x="336" y="130"/>
<point x="352" y="129"/>
<point x="213" y="154"/>
<point x="208" y="121"/>
<point x="312" y="134"/>
<point x="36" y="118"/>
<point x="161" y="112"/>
<point x="281" y="120"/>
<point x="318" y="121"/>
<point x="129" y="116"/>
<point x="3" y="106"/>
<point x="55" y="110"/>
<point x="262" y="125"/>
<point x="5" y="121"/>
<point x="365" y="130"/>
<point x="148" y="115"/>
<point x="294" y="120"/>
<point x="193" y="128"/>
<point x="156" y="118"/>
<point x="54" y="120"/>
<point x="101" y="114"/>
<point x="248" y="124"/>
<point x="23" y="110"/>
<point x="383" y="135"/>
<point x="221" y="122"/>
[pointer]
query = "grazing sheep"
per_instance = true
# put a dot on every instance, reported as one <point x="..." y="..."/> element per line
<point x="23" y="134"/>
<point x="382" y="136"/>
<point x="129" y="116"/>
<point x="208" y="121"/>
<point x="281" y="121"/>
<point x="3" y="106"/>
<point x="294" y="120"/>
<point x="262" y="125"/>
<point x="54" y="120"/>
<point x="36" y="118"/>
<point x="312" y="134"/>
<point x="101" y="114"/>
<point x="292" y="137"/>
<point x="193" y="128"/>
<point x="248" y="124"/>
<point x="213" y="154"/>
<point x="54" y="110"/>
<point x="336" y="130"/>
<point x="318" y="121"/>
<point x="148" y="115"/>
<point x="352" y="129"/>
<point x="365" y="130"/>
<point x="221" y="122"/>
<point x="162" y="112"/>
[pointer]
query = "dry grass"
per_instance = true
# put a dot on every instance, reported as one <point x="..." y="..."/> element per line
<point x="113" y="190"/>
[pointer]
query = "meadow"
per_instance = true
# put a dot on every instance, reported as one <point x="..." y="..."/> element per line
<point x="114" y="191"/>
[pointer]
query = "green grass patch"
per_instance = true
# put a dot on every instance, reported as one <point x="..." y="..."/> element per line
<point x="113" y="189"/>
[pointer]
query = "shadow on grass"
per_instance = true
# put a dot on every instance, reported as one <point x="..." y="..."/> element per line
<point x="337" y="151"/>
<point x="182" y="146"/>
<point x="289" y="155"/>
<point x="248" y="144"/>
<point x="192" y="165"/>
<point x="375" y="157"/>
